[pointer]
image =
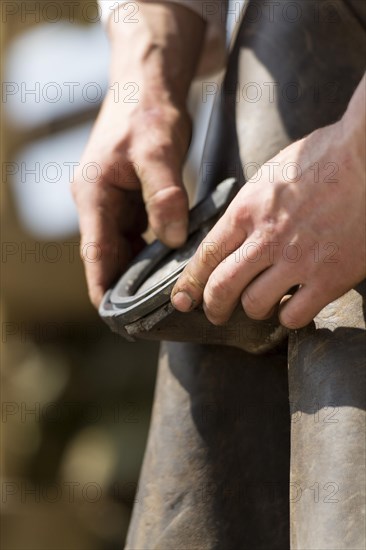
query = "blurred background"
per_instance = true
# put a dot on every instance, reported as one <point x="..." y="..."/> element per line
<point x="76" y="399"/>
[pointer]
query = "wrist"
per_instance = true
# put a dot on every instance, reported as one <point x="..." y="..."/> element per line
<point x="160" y="51"/>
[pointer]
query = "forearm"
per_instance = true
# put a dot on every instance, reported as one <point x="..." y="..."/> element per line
<point x="161" y="50"/>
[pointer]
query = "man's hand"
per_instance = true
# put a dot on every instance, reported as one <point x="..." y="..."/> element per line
<point x="300" y="222"/>
<point x="134" y="157"/>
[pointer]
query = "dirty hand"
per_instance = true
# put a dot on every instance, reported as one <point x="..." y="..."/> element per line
<point x="133" y="161"/>
<point x="299" y="222"/>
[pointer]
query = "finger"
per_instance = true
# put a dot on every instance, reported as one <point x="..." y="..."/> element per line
<point x="221" y="241"/>
<point x="227" y="282"/>
<point x="101" y="248"/>
<point x="166" y="200"/>
<point x="104" y="213"/>
<point x="303" y="306"/>
<point x="265" y="292"/>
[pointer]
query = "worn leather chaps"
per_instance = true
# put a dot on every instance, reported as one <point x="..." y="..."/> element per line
<point x="267" y="452"/>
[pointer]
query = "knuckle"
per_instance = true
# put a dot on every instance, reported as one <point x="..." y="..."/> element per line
<point x="193" y="281"/>
<point x="157" y="150"/>
<point x="238" y="216"/>
<point x="170" y="196"/>
<point x="88" y="174"/>
<point x="214" y="309"/>
<point x="218" y="287"/>
<point x="253" y="305"/>
<point x="165" y="205"/>
<point x="209" y="253"/>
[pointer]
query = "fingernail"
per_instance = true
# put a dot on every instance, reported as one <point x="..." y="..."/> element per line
<point x="175" y="233"/>
<point x="183" y="302"/>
